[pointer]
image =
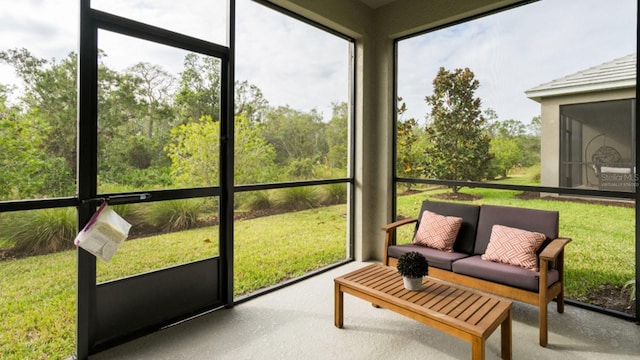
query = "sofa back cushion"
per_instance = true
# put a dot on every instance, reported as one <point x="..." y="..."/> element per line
<point x="513" y="246"/>
<point x="469" y="213"/>
<point x="437" y="231"/>
<point x="542" y="221"/>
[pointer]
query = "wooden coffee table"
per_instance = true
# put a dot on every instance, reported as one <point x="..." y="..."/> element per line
<point x="464" y="313"/>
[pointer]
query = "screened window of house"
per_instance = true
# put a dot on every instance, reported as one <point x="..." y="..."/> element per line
<point x="598" y="145"/>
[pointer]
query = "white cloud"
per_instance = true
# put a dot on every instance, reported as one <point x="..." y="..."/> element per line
<point x="513" y="51"/>
<point x="204" y="19"/>
<point x="298" y="65"/>
<point x="291" y="62"/>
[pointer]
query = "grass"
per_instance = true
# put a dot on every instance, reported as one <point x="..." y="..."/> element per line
<point x="37" y="307"/>
<point x="603" y="247"/>
<point x="37" y="294"/>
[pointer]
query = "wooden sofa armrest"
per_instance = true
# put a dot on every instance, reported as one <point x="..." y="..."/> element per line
<point x="397" y="224"/>
<point x="555" y="247"/>
<point x="389" y="240"/>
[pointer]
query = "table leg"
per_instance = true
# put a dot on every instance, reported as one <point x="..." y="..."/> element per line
<point x="338" y="306"/>
<point x="505" y="332"/>
<point x="477" y="348"/>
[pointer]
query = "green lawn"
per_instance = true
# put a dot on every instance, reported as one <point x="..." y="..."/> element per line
<point x="37" y="294"/>
<point x="603" y="247"/>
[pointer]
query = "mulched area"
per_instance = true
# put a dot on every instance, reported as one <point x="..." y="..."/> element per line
<point x="532" y="195"/>
<point x="456" y="196"/>
<point x="612" y="298"/>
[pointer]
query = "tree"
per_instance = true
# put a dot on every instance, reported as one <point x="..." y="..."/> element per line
<point x="154" y="91"/>
<point x="194" y="152"/>
<point x="199" y="93"/>
<point x="535" y="127"/>
<point x="531" y="142"/>
<point x="49" y="113"/>
<point x="459" y="141"/>
<point x="337" y="133"/>
<point x="250" y="102"/>
<point x="507" y="155"/>
<point x="50" y="94"/>
<point x="27" y="170"/>
<point x="135" y="114"/>
<point x="295" y="135"/>
<point x="254" y="158"/>
<point x="513" y="144"/>
<point x="410" y="153"/>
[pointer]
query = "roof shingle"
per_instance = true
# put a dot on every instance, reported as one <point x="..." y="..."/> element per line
<point x="615" y="74"/>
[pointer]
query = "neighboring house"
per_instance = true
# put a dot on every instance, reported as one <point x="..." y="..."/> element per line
<point x="588" y="127"/>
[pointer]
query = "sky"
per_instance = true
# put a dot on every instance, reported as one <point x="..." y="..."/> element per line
<point x="297" y="65"/>
<point x="291" y="62"/>
<point x="516" y="50"/>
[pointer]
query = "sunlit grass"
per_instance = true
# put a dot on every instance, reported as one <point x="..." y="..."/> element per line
<point x="38" y="294"/>
<point x="603" y="247"/>
<point x="275" y="248"/>
<point x="37" y="307"/>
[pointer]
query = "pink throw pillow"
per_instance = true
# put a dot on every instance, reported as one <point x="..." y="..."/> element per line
<point x="437" y="231"/>
<point x="513" y="246"/>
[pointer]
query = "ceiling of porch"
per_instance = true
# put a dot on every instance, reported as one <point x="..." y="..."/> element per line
<point x="376" y="3"/>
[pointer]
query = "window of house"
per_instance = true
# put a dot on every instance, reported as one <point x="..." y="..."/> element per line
<point x="598" y="145"/>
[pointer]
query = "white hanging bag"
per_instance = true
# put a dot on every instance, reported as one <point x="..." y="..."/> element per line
<point x="104" y="233"/>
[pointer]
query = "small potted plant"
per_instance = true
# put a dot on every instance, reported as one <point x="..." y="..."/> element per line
<point x="413" y="266"/>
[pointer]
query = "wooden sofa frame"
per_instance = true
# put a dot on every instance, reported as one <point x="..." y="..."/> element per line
<point x="552" y="254"/>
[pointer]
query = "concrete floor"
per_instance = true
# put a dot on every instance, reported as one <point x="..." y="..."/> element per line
<point x="297" y="323"/>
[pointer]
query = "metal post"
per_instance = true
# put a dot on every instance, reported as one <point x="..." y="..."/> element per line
<point x="227" y="164"/>
<point x="636" y="133"/>
<point x="86" y="176"/>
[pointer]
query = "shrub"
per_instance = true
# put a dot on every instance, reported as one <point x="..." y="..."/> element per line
<point x="259" y="200"/>
<point x="297" y="198"/>
<point x="334" y="194"/>
<point x="300" y="169"/>
<point x="39" y="232"/>
<point x="533" y="173"/>
<point x="174" y="215"/>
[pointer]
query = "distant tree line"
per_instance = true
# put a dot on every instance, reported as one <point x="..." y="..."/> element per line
<point x="155" y="129"/>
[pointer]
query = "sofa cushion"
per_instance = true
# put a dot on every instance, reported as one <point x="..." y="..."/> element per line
<point x="469" y="213"/>
<point x="513" y="246"/>
<point x="437" y="231"/>
<point x="436" y="258"/>
<point x="542" y="221"/>
<point x="505" y="274"/>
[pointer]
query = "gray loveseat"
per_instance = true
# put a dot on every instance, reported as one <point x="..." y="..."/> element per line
<point x="465" y="266"/>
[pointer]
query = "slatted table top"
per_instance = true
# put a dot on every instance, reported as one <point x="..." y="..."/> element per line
<point x="468" y="311"/>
